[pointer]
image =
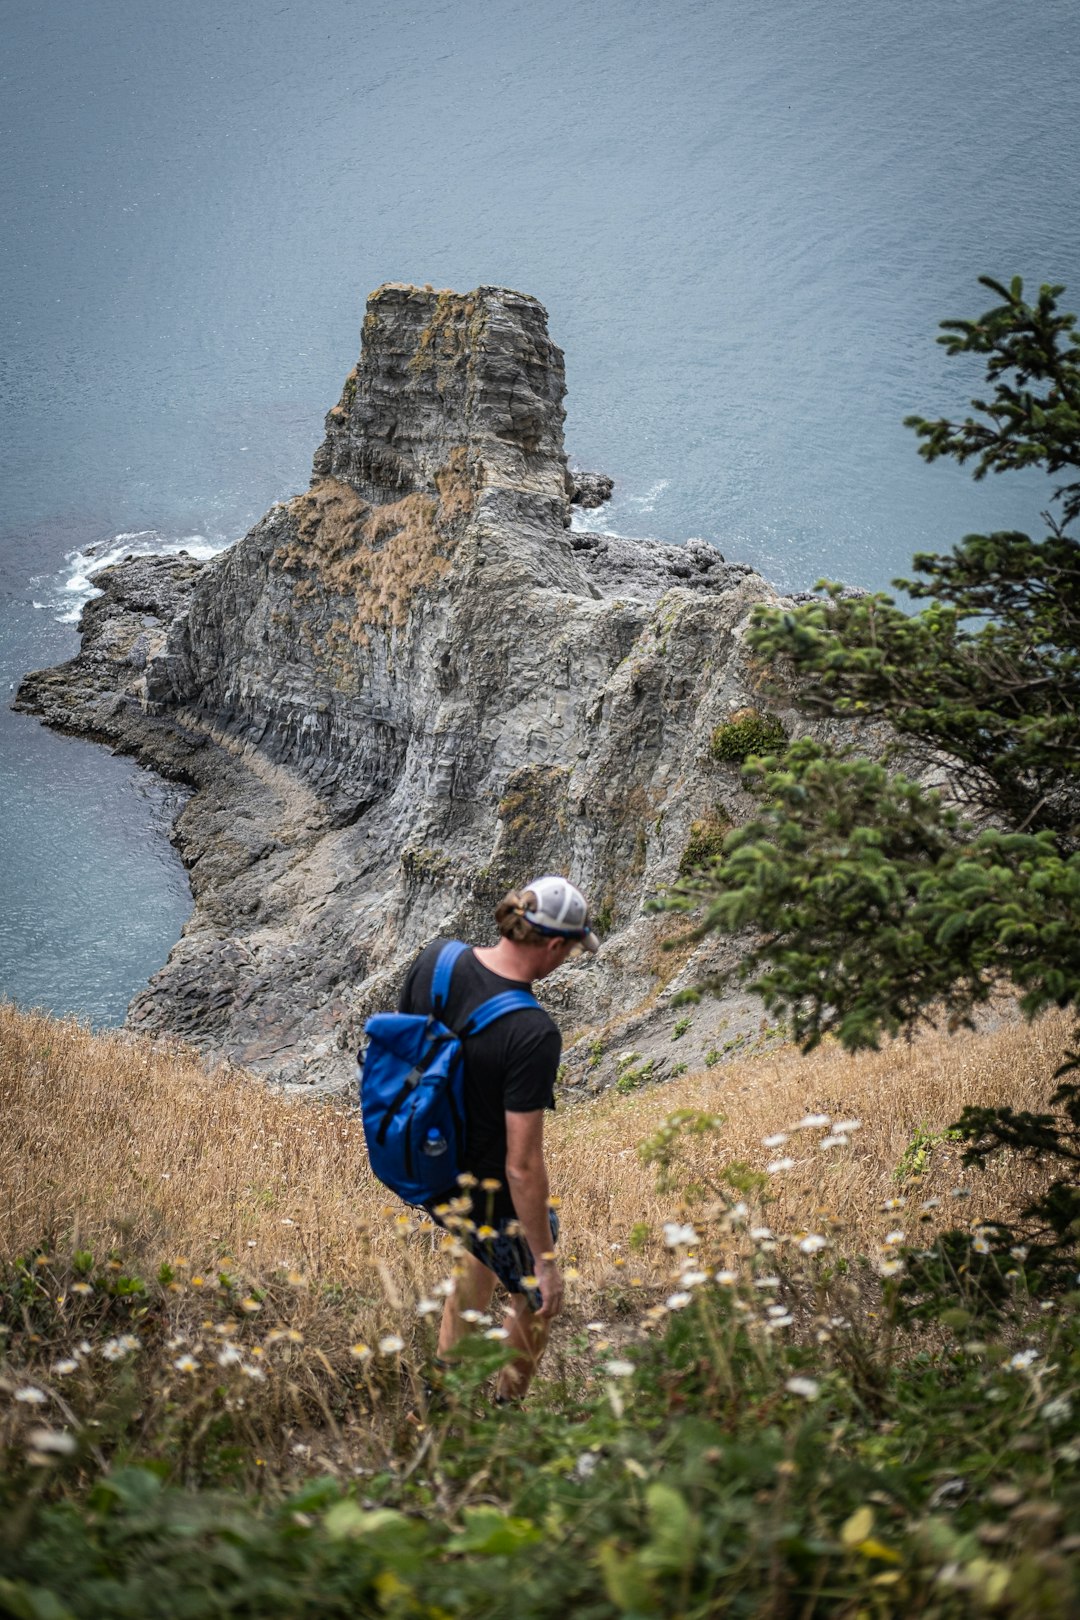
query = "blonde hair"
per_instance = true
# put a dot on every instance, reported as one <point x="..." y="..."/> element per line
<point x="511" y="920"/>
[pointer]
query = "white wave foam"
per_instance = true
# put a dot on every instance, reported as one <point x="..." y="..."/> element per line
<point x="75" y="587"/>
<point x="597" y="520"/>
<point x="590" y="522"/>
<point x="647" y="501"/>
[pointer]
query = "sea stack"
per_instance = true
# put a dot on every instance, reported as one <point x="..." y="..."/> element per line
<point x="411" y="687"/>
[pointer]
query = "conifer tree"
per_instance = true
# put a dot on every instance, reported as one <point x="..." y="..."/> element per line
<point x="874" y="900"/>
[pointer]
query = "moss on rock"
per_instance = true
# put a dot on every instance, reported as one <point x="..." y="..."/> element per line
<point x="749" y="731"/>
<point x="706" y="842"/>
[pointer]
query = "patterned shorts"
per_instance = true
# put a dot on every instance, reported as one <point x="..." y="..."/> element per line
<point x="503" y="1249"/>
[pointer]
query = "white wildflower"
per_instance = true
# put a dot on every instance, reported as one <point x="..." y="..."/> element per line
<point x="889" y="1268"/>
<point x="808" y="1388"/>
<point x="893" y="1238"/>
<point x="760" y="1233"/>
<point x="693" y="1279"/>
<point x="774" y="1168"/>
<point x="676" y="1235"/>
<point x="813" y="1242"/>
<point x="229" y="1355"/>
<point x="55" y="1441"/>
<point x="846" y="1125"/>
<point x="727" y="1279"/>
<point x="618" y="1368"/>
<point x="1059" y="1410"/>
<point x="837" y="1139"/>
<point x="186" y="1364"/>
<point x="811" y="1122"/>
<point x="31" y="1396"/>
<point x="427" y="1307"/>
<point x="776" y="1140"/>
<point x="392" y="1344"/>
<point x="67" y="1365"/>
<point x="1023" y="1359"/>
<point x="496" y="1333"/>
<point x="767" y="1282"/>
<point x="250" y="1370"/>
<point x="676" y="1302"/>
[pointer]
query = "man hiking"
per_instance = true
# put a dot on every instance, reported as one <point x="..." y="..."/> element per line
<point x="501" y="1212"/>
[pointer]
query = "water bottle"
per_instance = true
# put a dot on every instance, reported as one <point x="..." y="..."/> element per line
<point x="434" y="1143"/>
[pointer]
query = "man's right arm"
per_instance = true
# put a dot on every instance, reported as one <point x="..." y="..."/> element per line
<point x="527" y="1177"/>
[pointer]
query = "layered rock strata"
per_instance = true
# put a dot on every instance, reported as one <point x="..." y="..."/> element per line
<point x="410" y="688"/>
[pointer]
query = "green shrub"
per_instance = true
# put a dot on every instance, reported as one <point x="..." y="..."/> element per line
<point x="758" y="1436"/>
<point x="710" y="1466"/>
<point x="749" y="731"/>
<point x="631" y="1077"/>
<point x="706" y="842"/>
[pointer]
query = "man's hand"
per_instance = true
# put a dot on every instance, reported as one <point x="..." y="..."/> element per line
<point x="552" y="1288"/>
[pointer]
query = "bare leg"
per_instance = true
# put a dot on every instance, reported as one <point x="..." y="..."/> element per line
<point x="472" y="1292"/>
<point x="528" y="1338"/>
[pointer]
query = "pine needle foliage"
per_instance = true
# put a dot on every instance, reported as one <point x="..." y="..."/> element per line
<point x="879" y="901"/>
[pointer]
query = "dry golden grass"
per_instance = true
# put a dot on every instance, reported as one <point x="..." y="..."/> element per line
<point x="113" y="1142"/>
<point x="906" y="1088"/>
<point x="380" y="556"/>
<point x="287" y="1264"/>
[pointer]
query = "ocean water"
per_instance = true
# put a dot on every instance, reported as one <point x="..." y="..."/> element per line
<point x="745" y="222"/>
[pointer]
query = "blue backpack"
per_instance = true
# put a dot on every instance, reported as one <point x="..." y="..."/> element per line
<point x="412" y="1080"/>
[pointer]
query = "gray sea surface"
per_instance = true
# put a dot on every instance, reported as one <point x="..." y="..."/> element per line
<point x="745" y="221"/>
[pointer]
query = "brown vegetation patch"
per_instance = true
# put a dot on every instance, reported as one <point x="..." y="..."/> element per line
<point x="382" y="555"/>
<point x="454" y="482"/>
<point x="452" y="332"/>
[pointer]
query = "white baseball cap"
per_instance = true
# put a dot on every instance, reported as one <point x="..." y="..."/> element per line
<point x="560" y="909"/>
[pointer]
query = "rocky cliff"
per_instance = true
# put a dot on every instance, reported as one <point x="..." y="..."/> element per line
<point x="412" y="687"/>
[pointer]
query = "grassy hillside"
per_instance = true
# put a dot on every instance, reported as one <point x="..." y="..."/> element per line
<point x="204" y="1292"/>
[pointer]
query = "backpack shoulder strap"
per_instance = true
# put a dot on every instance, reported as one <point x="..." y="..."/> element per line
<point x="507" y="1002"/>
<point x="444" y="967"/>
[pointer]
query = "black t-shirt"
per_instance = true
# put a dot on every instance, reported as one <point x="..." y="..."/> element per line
<point x="510" y="1065"/>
